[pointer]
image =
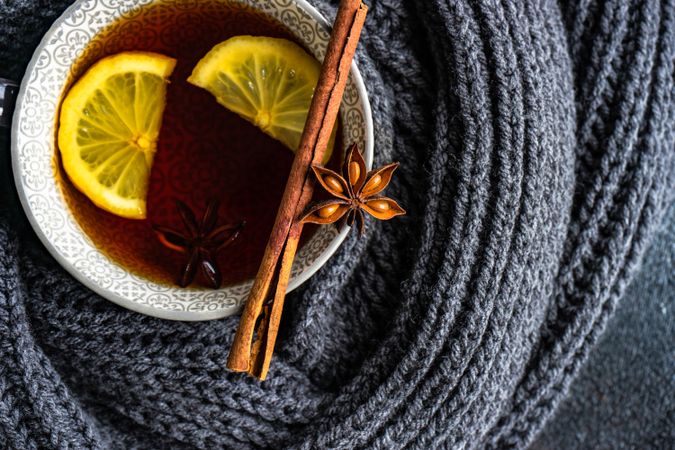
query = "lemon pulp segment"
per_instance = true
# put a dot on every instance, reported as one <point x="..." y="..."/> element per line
<point x="109" y="127"/>
<point x="267" y="81"/>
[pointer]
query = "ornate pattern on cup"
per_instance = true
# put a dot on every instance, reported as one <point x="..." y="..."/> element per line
<point x="76" y="37"/>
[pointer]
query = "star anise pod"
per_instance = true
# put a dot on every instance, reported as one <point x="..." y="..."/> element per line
<point x="201" y="241"/>
<point x="354" y="192"/>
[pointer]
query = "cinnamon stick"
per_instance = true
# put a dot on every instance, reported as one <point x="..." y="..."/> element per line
<point x="247" y="355"/>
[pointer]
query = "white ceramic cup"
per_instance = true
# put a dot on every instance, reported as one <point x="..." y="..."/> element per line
<point x="76" y="37"/>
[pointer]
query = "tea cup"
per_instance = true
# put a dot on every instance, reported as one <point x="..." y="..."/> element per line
<point x="76" y="40"/>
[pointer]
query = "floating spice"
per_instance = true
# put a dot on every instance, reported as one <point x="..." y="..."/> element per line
<point x="201" y="241"/>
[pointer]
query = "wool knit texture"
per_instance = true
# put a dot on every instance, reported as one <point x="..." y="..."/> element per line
<point x="622" y="397"/>
<point x="536" y="140"/>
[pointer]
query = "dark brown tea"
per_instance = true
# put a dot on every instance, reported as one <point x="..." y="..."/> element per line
<point x="204" y="152"/>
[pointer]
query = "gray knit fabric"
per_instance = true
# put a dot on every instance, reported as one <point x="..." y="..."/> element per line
<point x="536" y="141"/>
<point x="624" y="395"/>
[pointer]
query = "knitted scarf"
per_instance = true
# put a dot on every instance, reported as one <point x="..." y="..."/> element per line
<point x="536" y="141"/>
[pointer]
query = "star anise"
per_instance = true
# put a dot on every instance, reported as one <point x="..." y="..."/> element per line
<point x="354" y="192"/>
<point x="201" y="241"/>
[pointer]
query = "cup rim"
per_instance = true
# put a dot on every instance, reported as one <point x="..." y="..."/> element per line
<point x="188" y="316"/>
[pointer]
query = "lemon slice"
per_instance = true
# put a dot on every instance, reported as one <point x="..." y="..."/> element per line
<point x="267" y="81"/>
<point x="109" y="127"/>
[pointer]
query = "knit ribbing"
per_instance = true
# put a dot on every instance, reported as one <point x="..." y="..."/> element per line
<point x="536" y="142"/>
